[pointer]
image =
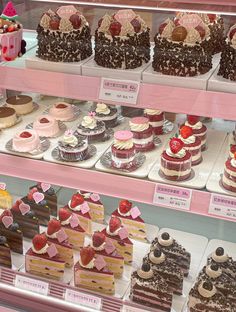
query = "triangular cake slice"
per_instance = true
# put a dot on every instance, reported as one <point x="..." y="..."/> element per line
<point x="95" y="204"/>
<point x="5" y="253"/>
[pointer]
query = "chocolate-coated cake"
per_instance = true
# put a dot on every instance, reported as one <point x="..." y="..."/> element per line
<point x="5" y="253"/>
<point x="50" y="196"/>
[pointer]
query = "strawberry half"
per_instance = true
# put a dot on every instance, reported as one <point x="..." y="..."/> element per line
<point x="54" y="226"/>
<point x="76" y="200"/>
<point x="125" y="206"/>
<point x="114" y="224"/>
<point x="64" y="214"/>
<point x="186" y="132"/>
<point x="192" y="120"/>
<point x="176" y="145"/>
<point x="86" y="255"/>
<point x="98" y="239"/>
<point x="39" y="241"/>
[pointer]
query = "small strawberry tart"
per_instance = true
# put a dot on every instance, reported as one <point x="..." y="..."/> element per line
<point x="199" y="130"/>
<point x="156" y="119"/>
<point x="26" y="141"/>
<point x="176" y="161"/>
<point x="229" y="176"/>
<point x="62" y="111"/>
<point x="142" y="134"/>
<point x="191" y="144"/>
<point x="46" y="126"/>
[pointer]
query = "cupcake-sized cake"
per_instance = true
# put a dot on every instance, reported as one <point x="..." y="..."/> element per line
<point x="64" y="36"/>
<point x="130" y="218"/>
<point x="6" y="200"/>
<point x="142" y="134"/>
<point x="43" y="260"/>
<point x="93" y="273"/>
<point x="156" y="119"/>
<point x="95" y="204"/>
<point x="199" y="130"/>
<point x="105" y="248"/>
<point x="183" y="49"/>
<point x="176" y="161"/>
<point x="70" y="224"/>
<point x="11" y="231"/>
<point x="119" y="238"/>
<point x="92" y="128"/>
<point x="26" y="141"/>
<point x="205" y="297"/>
<point x="191" y="144"/>
<point x="173" y="251"/>
<point x="26" y="218"/>
<point x="122" y="41"/>
<point x="72" y="147"/>
<point x="123" y="150"/>
<point x="8" y="117"/>
<point x="22" y="104"/>
<point x="81" y="209"/>
<point x="62" y="111"/>
<point x="148" y="288"/>
<point x="169" y="270"/>
<point x="46" y="126"/>
<point x="229" y="175"/>
<point x="107" y="114"/>
<point x="5" y="253"/>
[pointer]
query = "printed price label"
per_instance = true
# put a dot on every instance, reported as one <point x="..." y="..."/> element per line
<point x="83" y="299"/>
<point x="130" y="309"/>
<point x="125" y="91"/>
<point x="224" y="206"/>
<point x="172" y="197"/>
<point x="31" y="284"/>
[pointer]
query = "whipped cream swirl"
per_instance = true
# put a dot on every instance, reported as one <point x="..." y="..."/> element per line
<point x="191" y="139"/>
<point x="123" y="145"/>
<point x="138" y="127"/>
<point x="102" y="109"/>
<point x="157" y="260"/>
<point x="150" y="111"/>
<point x="180" y="153"/>
<point x="89" y="122"/>
<point x="70" y="139"/>
<point x="197" y="125"/>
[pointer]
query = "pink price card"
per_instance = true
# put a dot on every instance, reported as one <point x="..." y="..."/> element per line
<point x="223" y="206"/>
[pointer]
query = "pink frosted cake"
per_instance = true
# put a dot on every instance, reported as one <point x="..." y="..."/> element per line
<point x="62" y="111"/>
<point x="123" y="150"/>
<point x="156" y="119"/>
<point x="199" y="130"/>
<point x="191" y="144"/>
<point x="176" y="161"/>
<point x="26" y="141"/>
<point x="46" y="126"/>
<point x="142" y="134"/>
<point x="229" y="176"/>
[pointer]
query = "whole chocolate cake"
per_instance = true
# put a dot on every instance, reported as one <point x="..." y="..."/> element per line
<point x="64" y="36"/>
<point x="122" y="41"/>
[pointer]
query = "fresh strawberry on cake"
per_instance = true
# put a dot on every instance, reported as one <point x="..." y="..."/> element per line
<point x="130" y="218"/>
<point x="176" y="161"/>
<point x="191" y="144"/>
<point x="95" y="204"/>
<point x="199" y="130"/>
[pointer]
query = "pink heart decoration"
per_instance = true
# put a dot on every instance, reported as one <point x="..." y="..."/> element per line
<point x="84" y="208"/>
<point x="2" y="186"/>
<point x="74" y="221"/>
<point x="109" y="247"/>
<point x="7" y="221"/>
<point x="95" y="197"/>
<point x="24" y="208"/>
<point x="135" y="212"/>
<point x="45" y="186"/>
<point x="61" y="236"/>
<point x="99" y="263"/>
<point x="38" y="197"/>
<point x="52" y="251"/>
<point x="123" y="233"/>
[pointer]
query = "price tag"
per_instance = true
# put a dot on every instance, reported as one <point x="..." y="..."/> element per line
<point x="224" y="206"/>
<point x="83" y="299"/>
<point x="125" y="91"/>
<point x="172" y="197"/>
<point x="131" y="309"/>
<point x="31" y="284"/>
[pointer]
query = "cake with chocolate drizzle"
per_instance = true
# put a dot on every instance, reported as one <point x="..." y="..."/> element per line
<point x="64" y="36"/>
<point x="122" y="41"/>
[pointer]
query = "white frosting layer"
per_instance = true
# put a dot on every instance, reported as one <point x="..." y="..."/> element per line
<point x="220" y="259"/>
<point x="90" y="265"/>
<point x="114" y="233"/>
<point x="180" y="154"/>
<point x="122" y="160"/>
<point x="145" y="275"/>
<point x="165" y="242"/>
<point x="157" y="260"/>
<point x="127" y="214"/>
<point x="89" y="122"/>
<point x="197" y="126"/>
<point x="150" y="111"/>
<point x="190" y="140"/>
<point x="70" y="140"/>
<point x="233" y="162"/>
<point x="156" y="124"/>
<point x="102" y="109"/>
<point x="170" y="173"/>
<point x="143" y="141"/>
<point x="213" y="274"/>
<point x="41" y="251"/>
<point x="123" y="145"/>
<point x="228" y="181"/>
<point x="138" y="127"/>
<point x="206" y="293"/>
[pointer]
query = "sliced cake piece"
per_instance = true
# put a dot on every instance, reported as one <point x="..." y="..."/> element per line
<point x="173" y="250"/>
<point x="70" y="224"/>
<point x="5" y="253"/>
<point x="105" y="248"/>
<point x="170" y="271"/>
<point x="150" y="289"/>
<point x="92" y="273"/>
<point x="95" y="205"/>
<point x="43" y="260"/>
<point x="58" y="237"/>
<point x="130" y="218"/>
<point x="49" y="194"/>
<point x="119" y="237"/>
<point x="26" y="218"/>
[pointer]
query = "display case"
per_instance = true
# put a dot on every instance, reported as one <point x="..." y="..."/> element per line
<point x="176" y="169"/>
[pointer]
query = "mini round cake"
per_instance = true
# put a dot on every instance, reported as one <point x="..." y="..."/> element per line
<point x="142" y="134"/>
<point x="176" y="161"/>
<point x="72" y="148"/>
<point x="46" y="126"/>
<point x="93" y="129"/>
<point x="7" y="117"/>
<point x="64" y="36"/>
<point x="26" y="141"/>
<point x="62" y="111"/>
<point x="184" y="49"/>
<point x="22" y="104"/>
<point x="229" y="176"/>
<point x="123" y="150"/>
<point x="191" y="144"/>
<point x="122" y="41"/>
<point x="107" y="114"/>
<point x="199" y="130"/>
<point x="156" y="119"/>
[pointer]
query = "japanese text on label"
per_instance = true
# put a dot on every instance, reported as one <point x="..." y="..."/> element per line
<point x="31" y="284"/>
<point x="224" y="206"/>
<point x="83" y="299"/>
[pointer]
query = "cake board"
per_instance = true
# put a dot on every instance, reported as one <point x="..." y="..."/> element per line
<point x="219" y="83"/>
